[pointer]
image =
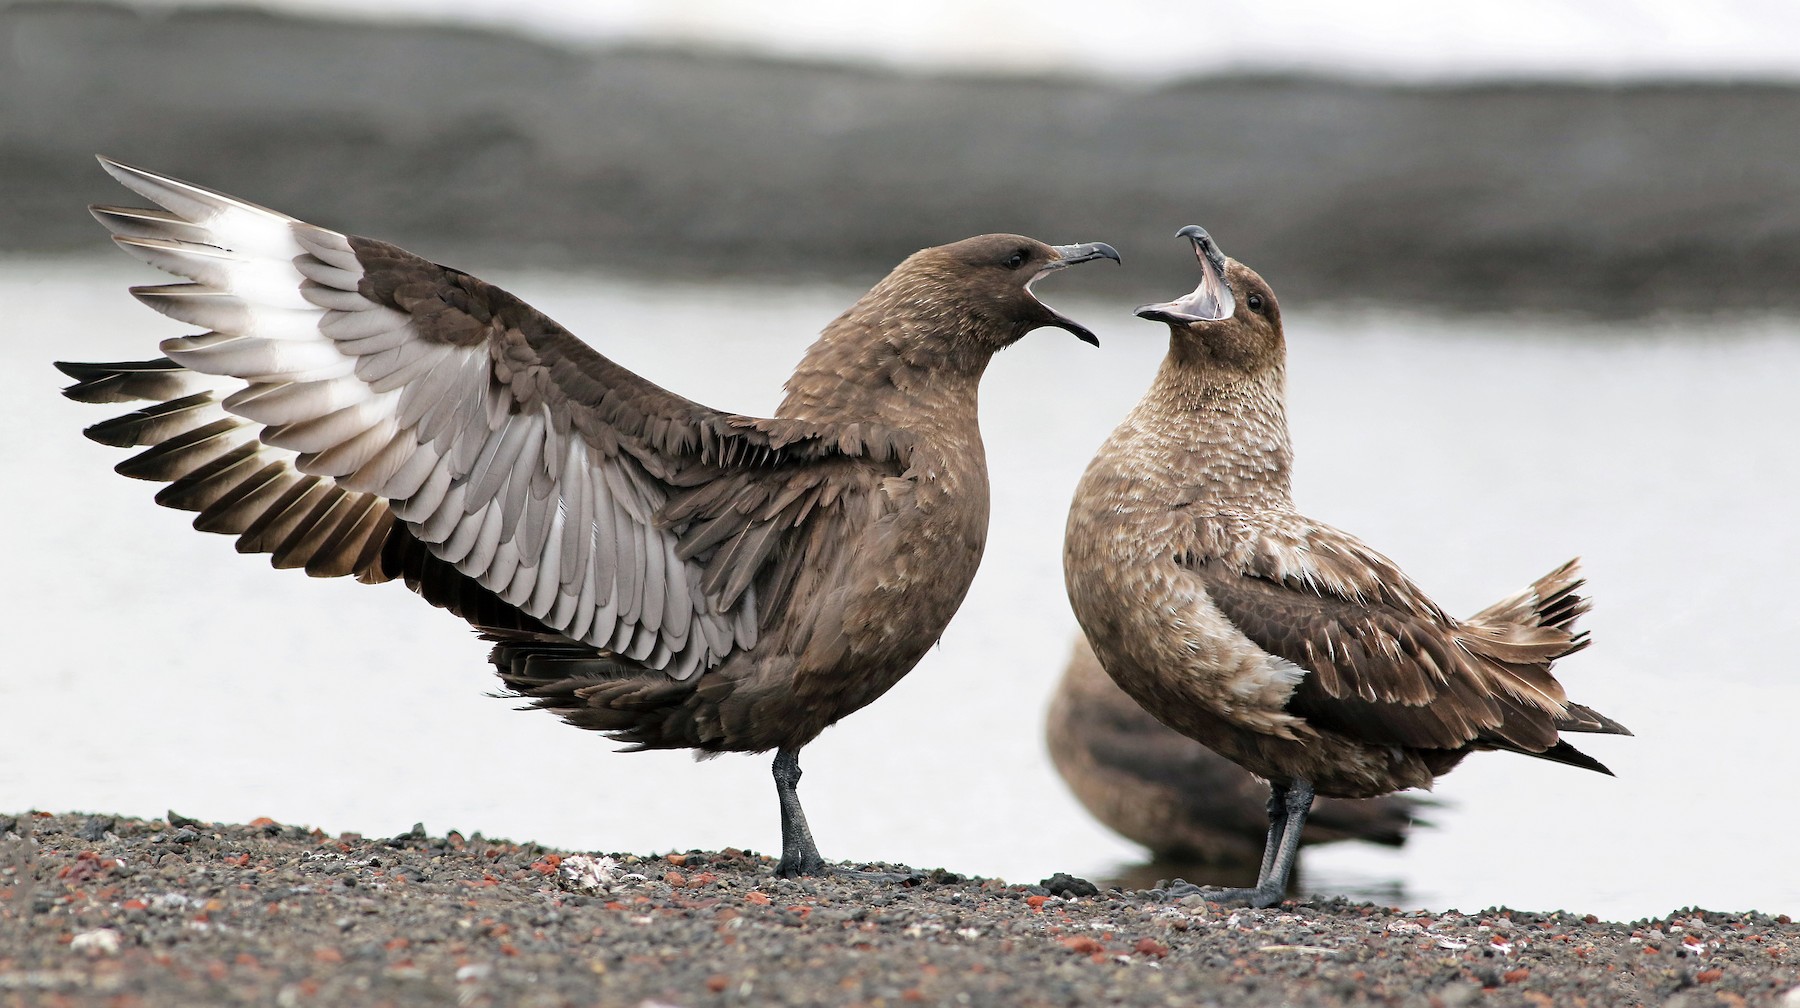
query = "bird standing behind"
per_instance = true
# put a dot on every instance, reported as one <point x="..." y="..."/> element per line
<point x="646" y="566"/>
<point x="1282" y="643"/>
<point x="1190" y="806"/>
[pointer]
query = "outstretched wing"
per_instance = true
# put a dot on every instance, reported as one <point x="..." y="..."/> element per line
<point x="1385" y="664"/>
<point x="345" y="384"/>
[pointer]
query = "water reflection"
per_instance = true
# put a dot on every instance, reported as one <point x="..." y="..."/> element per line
<point x="161" y="669"/>
<point x="1389" y="891"/>
<point x="1202" y="817"/>
<point x="1235" y="872"/>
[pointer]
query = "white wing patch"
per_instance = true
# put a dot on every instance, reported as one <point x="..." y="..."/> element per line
<point x="1268" y="684"/>
<point x="349" y="391"/>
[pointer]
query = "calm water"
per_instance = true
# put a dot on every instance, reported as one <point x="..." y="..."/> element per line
<point x="151" y="667"/>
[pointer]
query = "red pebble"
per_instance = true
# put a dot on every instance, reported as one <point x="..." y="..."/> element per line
<point x="1150" y="947"/>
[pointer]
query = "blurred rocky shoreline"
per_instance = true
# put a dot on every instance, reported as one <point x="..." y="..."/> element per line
<point x="475" y="147"/>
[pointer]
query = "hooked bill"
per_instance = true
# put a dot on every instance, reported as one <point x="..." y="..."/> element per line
<point x="1212" y="300"/>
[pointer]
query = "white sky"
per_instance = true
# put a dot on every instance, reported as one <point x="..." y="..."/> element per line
<point x="1407" y="39"/>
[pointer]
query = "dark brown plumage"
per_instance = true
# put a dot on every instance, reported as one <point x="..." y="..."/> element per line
<point x="1284" y="644"/>
<point x="1184" y="802"/>
<point x="645" y="565"/>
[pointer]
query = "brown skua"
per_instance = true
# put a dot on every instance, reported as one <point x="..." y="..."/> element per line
<point x="646" y="566"/>
<point x="1284" y="644"/>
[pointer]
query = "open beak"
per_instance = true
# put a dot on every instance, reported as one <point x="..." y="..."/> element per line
<point x="1212" y="300"/>
<point x="1066" y="256"/>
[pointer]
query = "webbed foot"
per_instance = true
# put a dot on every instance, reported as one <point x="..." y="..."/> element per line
<point x="1260" y="897"/>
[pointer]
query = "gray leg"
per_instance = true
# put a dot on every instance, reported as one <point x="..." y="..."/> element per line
<point x="1299" y="799"/>
<point x="1288" y="807"/>
<point x="799" y="855"/>
<point x="1277" y="809"/>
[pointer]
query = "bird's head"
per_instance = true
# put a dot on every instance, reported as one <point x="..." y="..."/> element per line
<point x="988" y="280"/>
<point x="1230" y="321"/>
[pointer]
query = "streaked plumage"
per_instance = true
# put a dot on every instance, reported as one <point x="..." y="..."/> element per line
<point x="646" y="566"/>
<point x="1284" y="644"/>
<point x="1182" y="801"/>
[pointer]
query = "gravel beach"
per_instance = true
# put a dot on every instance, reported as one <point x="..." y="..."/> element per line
<point x="124" y="912"/>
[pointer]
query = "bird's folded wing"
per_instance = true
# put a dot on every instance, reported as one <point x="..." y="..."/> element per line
<point x="398" y="388"/>
<point x="1385" y="664"/>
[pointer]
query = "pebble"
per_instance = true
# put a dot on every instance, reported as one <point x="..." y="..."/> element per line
<point x="288" y="916"/>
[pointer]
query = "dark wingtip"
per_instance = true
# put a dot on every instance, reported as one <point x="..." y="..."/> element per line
<point x="1587" y="719"/>
<point x="1563" y="752"/>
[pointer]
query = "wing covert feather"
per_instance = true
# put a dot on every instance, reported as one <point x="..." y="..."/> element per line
<point x="1386" y="664"/>
<point x="352" y="385"/>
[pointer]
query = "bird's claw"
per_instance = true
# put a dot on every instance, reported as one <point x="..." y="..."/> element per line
<point x="807" y="868"/>
<point x="905" y="878"/>
<point x="1258" y="898"/>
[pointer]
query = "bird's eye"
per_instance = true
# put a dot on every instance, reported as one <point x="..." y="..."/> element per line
<point x="1255" y="301"/>
<point x="1016" y="260"/>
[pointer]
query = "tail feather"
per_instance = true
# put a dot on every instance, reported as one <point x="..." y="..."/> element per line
<point x="600" y="690"/>
<point x="1587" y="719"/>
<point x="544" y="664"/>
<point x="1534" y="628"/>
<point x="1563" y="752"/>
<point x="1553" y="602"/>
